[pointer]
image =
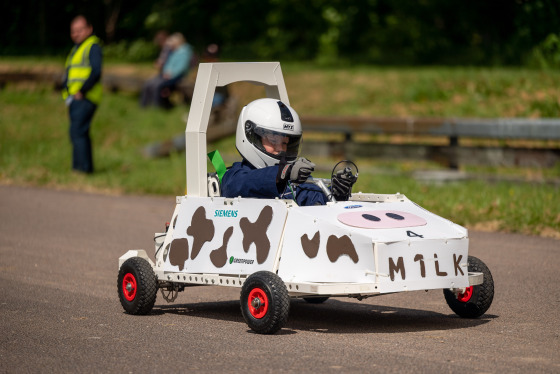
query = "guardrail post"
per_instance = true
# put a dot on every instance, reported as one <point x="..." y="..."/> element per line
<point x="348" y="146"/>
<point x="454" y="152"/>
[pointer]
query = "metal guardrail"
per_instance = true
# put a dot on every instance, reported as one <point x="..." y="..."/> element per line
<point x="452" y="154"/>
<point x="502" y="128"/>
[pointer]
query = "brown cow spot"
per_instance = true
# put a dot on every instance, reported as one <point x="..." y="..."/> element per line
<point x="256" y="233"/>
<point x="337" y="247"/>
<point x="201" y="229"/>
<point x="311" y="246"/>
<point x="179" y="253"/>
<point x="219" y="256"/>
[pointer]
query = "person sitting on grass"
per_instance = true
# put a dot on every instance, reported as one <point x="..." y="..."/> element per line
<point x="156" y="91"/>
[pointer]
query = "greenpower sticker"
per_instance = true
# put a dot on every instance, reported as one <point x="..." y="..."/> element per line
<point x="233" y="260"/>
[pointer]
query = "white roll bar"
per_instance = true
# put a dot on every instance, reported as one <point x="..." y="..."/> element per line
<point x="210" y="76"/>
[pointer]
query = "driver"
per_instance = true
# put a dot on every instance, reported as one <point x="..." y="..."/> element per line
<point x="268" y="138"/>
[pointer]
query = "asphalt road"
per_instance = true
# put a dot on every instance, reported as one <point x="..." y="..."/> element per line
<point x="60" y="311"/>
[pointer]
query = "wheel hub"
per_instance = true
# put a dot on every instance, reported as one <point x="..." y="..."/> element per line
<point x="465" y="295"/>
<point x="129" y="286"/>
<point x="256" y="303"/>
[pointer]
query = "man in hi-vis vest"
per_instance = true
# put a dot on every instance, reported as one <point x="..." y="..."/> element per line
<point x="82" y="90"/>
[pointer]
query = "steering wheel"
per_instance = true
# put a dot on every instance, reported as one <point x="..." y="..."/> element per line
<point x="343" y="167"/>
<point x="346" y="168"/>
<point x="344" y="173"/>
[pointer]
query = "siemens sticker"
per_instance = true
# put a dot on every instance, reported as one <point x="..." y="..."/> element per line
<point x="225" y="213"/>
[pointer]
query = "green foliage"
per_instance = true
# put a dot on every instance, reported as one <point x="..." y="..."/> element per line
<point x="328" y="41"/>
<point x="138" y="51"/>
<point x="330" y="32"/>
<point x="547" y="54"/>
<point x="158" y="20"/>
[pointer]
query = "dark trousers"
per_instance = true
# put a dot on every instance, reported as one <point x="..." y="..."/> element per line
<point x="81" y="112"/>
<point x="151" y="91"/>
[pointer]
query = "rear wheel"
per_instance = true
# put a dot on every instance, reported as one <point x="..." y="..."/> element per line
<point x="265" y="303"/>
<point x="137" y="286"/>
<point x="475" y="300"/>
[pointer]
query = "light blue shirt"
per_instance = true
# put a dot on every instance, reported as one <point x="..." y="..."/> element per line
<point x="178" y="61"/>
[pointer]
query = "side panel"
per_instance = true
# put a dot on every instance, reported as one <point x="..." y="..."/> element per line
<point x="317" y="251"/>
<point x="225" y="236"/>
<point x="396" y="246"/>
<point x="422" y="264"/>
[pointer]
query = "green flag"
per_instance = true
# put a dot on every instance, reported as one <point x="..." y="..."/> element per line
<point x="218" y="162"/>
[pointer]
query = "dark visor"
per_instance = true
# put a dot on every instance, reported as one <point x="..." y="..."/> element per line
<point x="256" y="134"/>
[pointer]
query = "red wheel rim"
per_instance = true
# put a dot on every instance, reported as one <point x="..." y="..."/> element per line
<point x="258" y="303"/>
<point x="129" y="287"/>
<point x="465" y="296"/>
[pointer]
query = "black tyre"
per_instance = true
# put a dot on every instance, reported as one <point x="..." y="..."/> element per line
<point x="137" y="285"/>
<point x="265" y="303"/>
<point x="476" y="300"/>
<point x="316" y="300"/>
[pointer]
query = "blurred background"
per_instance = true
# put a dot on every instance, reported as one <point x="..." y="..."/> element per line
<point x="501" y="32"/>
<point x="454" y="103"/>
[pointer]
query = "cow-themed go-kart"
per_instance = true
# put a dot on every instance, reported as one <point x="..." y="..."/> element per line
<point x="274" y="250"/>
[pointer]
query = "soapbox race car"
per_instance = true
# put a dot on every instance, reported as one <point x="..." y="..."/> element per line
<point x="275" y="250"/>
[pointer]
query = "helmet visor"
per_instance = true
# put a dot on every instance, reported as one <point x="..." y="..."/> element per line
<point x="274" y="144"/>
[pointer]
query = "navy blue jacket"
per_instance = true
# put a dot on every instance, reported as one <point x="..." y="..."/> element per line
<point x="244" y="180"/>
<point x="95" y="60"/>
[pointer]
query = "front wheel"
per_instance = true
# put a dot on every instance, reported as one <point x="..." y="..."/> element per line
<point x="265" y="303"/>
<point x="475" y="300"/>
<point x="137" y="286"/>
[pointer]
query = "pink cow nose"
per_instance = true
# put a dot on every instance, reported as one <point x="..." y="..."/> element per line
<point x="381" y="219"/>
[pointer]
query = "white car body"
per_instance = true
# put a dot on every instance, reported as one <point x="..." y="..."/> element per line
<point x="321" y="250"/>
<point x="370" y="245"/>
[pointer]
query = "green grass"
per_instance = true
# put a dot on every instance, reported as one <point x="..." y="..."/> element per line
<point x="424" y="92"/>
<point x="35" y="147"/>
<point x="503" y="206"/>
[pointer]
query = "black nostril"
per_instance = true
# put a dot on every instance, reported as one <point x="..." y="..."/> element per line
<point x="394" y="216"/>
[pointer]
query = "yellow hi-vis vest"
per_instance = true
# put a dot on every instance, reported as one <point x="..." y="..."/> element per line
<point x="79" y="69"/>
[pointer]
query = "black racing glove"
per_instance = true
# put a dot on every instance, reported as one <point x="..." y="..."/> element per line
<point x="341" y="184"/>
<point x="298" y="172"/>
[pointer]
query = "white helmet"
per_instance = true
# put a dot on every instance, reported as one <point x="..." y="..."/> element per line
<point x="267" y="118"/>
